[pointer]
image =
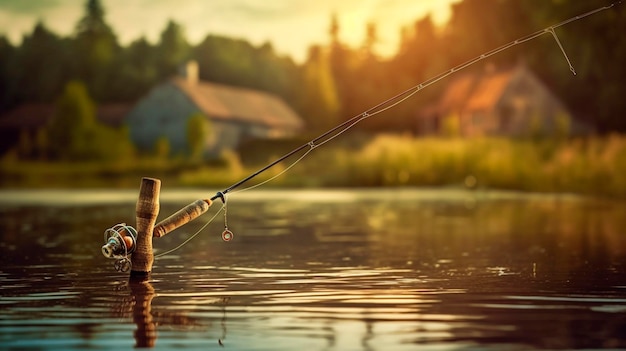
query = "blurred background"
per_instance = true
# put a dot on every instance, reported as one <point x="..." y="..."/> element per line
<point x="419" y="246"/>
<point x="97" y="93"/>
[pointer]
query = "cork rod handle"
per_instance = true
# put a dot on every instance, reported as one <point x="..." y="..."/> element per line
<point x="182" y="217"/>
<point x="147" y="210"/>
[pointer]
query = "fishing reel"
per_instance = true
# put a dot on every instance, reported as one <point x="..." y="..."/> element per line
<point x="120" y="241"/>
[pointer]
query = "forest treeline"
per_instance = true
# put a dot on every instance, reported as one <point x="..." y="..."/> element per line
<point x="336" y="81"/>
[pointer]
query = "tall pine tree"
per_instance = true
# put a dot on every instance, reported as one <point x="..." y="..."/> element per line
<point x="173" y="49"/>
<point x="320" y="103"/>
<point x="96" y="49"/>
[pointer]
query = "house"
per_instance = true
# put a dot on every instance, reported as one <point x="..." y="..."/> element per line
<point x="233" y="114"/>
<point x="511" y="102"/>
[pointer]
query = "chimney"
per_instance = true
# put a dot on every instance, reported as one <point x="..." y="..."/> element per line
<point x="189" y="71"/>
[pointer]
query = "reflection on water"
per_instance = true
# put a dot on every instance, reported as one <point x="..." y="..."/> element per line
<point x="338" y="270"/>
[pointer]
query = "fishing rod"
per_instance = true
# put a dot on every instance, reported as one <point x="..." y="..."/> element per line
<point x="394" y="100"/>
<point x="122" y="240"/>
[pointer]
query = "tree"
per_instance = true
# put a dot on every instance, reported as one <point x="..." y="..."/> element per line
<point x="450" y="126"/>
<point x="73" y="119"/>
<point x="137" y="71"/>
<point x="319" y="104"/>
<point x="419" y="51"/>
<point x="198" y="130"/>
<point x="477" y="26"/>
<point x="371" y="39"/>
<point x="162" y="148"/>
<point x="596" y="48"/>
<point x="7" y="55"/>
<point x="342" y="63"/>
<point x="421" y="56"/>
<point x="237" y="62"/>
<point x="74" y="134"/>
<point x="40" y="67"/>
<point x="173" y="49"/>
<point x="96" y="49"/>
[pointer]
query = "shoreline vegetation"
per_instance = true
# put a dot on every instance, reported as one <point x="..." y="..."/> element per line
<point x="587" y="166"/>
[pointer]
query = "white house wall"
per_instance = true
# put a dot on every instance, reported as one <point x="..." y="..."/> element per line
<point x="164" y="112"/>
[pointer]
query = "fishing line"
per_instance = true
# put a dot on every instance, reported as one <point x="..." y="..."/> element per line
<point x="195" y="234"/>
<point x="279" y="174"/>
<point x="312" y="146"/>
<point x="395" y="100"/>
<point x="401" y="97"/>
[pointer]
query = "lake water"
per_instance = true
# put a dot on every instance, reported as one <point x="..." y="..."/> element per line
<point x="320" y="270"/>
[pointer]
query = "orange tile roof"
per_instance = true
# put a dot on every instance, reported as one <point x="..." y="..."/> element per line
<point x="457" y="93"/>
<point x="473" y="92"/>
<point x="488" y="91"/>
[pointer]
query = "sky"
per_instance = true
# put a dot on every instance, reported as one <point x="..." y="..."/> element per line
<point x="291" y="26"/>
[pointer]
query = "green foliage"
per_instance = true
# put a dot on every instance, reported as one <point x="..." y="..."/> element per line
<point x="28" y="69"/>
<point x="337" y="82"/>
<point x="562" y="126"/>
<point x="25" y="145"/>
<point x="74" y="133"/>
<point x="319" y="104"/>
<point x="108" y="144"/>
<point x="172" y="50"/>
<point x="237" y="62"/>
<point x="96" y="48"/>
<point x="162" y="148"/>
<point x="6" y="53"/>
<point x="42" y="144"/>
<point x="451" y="126"/>
<point x="74" y="117"/>
<point x="198" y="131"/>
<point x="584" y="166"/>
<point x="595" y="46"/>
<point x="536" y="128"/>
<point x="137" y="70"/>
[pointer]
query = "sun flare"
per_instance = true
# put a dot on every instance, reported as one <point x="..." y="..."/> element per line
<point x="389" y="18"/>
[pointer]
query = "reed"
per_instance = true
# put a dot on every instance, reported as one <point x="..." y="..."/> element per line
<point x="586" y="166"/>
<point x="593" y="165"/>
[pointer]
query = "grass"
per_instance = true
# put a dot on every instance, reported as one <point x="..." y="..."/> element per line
<point x="585" y="166"/>
<point x="593" y="165"/>
<point x="42" y="174"/>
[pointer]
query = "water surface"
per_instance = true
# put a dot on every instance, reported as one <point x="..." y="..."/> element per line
<point x="310" y="270"/>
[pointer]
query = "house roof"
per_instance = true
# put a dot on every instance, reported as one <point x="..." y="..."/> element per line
<point x="239" y="104"/>
<point x="35" y="115"/>
<point x="27" y="116"/>
<point x="457" y="92"/>
<point x="113" y="114"/>
<point x="488" y="91"/>
<point x="478" y="91"/>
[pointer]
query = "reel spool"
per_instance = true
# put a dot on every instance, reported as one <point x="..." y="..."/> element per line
<point x="120" y="241"/>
